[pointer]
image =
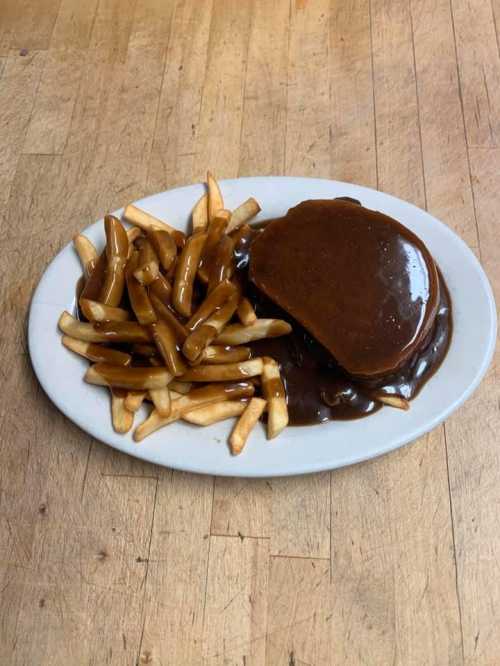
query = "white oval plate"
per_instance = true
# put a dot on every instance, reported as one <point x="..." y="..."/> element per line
<point x="297" y="450"/>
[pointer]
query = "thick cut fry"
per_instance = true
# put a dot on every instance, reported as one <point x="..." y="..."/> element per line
<point x="185" y="273"/>
<point x="161" y="288"/>
<point x="96" y="353"/>
<point x="121" y="417"/>
<point x="224" y="373"/>
<point x="215" y="199"/>
<point x="144" y="220"/>
<point x="108" y="331"/>
<point x="87" y="253"/>
<point x="164" y="246"/>
<point x="104" y="374"/>
<point x="199" y="216"/>
<point x="95" y="311"/>
<point x="161" y="400"/>
<point x="223" y="264"/>
<point x="168" y="315"/>
<point x="144" y="350"/>
<point x="133" y="233"/>
<point x="134" y="400"/>
<point x="93" y="286"/>
<point x="246" y="423"/>
<point x="217" y="354"/>
<point x="213" y="301"/>
<point x="215" y="231"/>
<point x="392" y="400"/>
<point x="138" y="296"/>
<point x="246" y="313"/>
<point x="243" y="213"/>
<point x="218" y="411"/>
<point x="196" y="342"/>
<point x="237" y="334"/>
<point x="147" y="268"/>
<point x="116" y="254"/>
<point x="274" y="393"/>
<point x="195" y="398"/>
<point x="180" y="387"/>
<point x="166" y="343"/>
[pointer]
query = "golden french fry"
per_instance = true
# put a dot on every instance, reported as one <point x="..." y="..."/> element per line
<point x="185" y="273"/>
<point x="223" y="265"/>
<point x="274" y="393"/>
<point x="195" y="398"/>
<point x="237" y="334"/>
<point x="215" y="199"/>
<point x="161" y="400"/>
<point x="138" y="296"/>
<point x="121" y="417"/>
<point x="106" y="331"/>
<point x="96" y="353"/>
<point x="148" y="267"/>
<point x="224" y="373"/>
<point x="143" y="349"/>
<point x="243" y="213"/>
<point x="215" y="231"/>
<point x="116" y="254"/>
<point x="161" y="288"/>
<point x="144" y="220"/>
<point x="134" y="400"/>
<point x="246" y="313"/>
<point x="164" y="246"/>
<point x="199" y="216"/>
<point x="392" y="400"/>
<point x="214" y="300"/>
<point x="104" y="374"/>
<point x="87" y="253"/>
<point x="218" y="354"/>
<point x="200" y="338"/>
<point x="95" y="311"/>
<point x="180" y="387"/>
<point x="166" y="343"/>
<point x="133" y="233"/>
<point x="94" y="283"/>
<point x="168" y="315"/>
<point x="245" y="424"/>
<point x="215" y="412"/>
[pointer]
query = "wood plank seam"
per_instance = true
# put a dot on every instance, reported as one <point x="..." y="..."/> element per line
<point x="373" y="95"/>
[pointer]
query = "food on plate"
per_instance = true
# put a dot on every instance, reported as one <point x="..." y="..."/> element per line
<point x="329" y="312"/>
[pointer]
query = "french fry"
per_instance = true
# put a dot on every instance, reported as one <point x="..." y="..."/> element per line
<point x="166" y="343"/>
<point x="215" y="412"/>
<point x="134" y="400"/>
<point x="87" y="253"/>
<point x="144" y="220"/>
<point x="161" y="288"/>
<point x="222" y="266"/>
<point x="164" y="246"/>
<point x="161" y="400"/>
<point x="94" y="283"/>
<point x="147" y="268"/>
<point x="95" y="311"/>
<point x="199" y="216"/>
<point x="138" y="296"/>
<point x="217" y="354"/>
<point x="224" y="373"/>
<point x="237" y="334"/>
<point x="274" y="393"/>
<point x="133" y="233"/>
<point x="246" y="313"/>
<point x="243" y="213"/>
<point x="96" y="353"/>
<point x="200" y="338"/>
<point x="116" y="254"/>
<point x="245" y="424"/>
<point x="106" y="331"/>
<point x="121" y="417"/>
<point x="104" y="374"/>
<point x="144" y="349"/>
<point x="215" y="199"/>
<point x="392" y="400"/>
<point x="185" y="273"/>
<point x="215" y="231"/>
<point x="180" y="387"/>
<point x="169" y="316"/>
<point x="214" y="300"/>
<point x="196" y="398"/>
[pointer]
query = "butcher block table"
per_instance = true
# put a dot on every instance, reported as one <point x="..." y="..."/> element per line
<point x="105" y="559"/>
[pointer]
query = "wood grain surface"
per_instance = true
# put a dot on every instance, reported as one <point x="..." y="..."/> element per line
<point x="105" y="559"/>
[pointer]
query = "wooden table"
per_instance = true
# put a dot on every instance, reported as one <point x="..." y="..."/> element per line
<point x="108" y="560"/>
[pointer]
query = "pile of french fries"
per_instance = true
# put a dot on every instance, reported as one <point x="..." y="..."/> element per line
<point x="150" y="335"/>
